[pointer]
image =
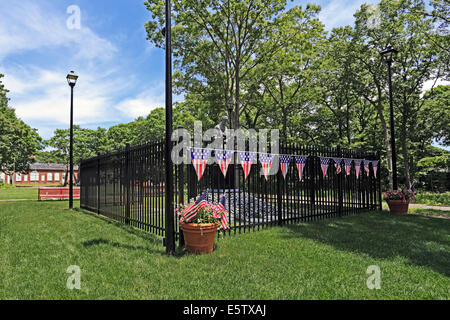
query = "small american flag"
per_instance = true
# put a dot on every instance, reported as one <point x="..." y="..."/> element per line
<point x="348" y="166"/>
<point x="191" y="211"/>
<point x="324" y="164"/>
<point x="357" y="167"/>
<point x="300" y="162"/>
<point x="224" y="158"/>
<point x="266" y="163"/>
<point x="221" y="205"/>
<point x="246" y="158"/>
<point x="285" y="160"/>
<point x="366" y="166"/>
<point x="375" y="167"/>
<point x="337" y="164"/>
<point x="199" y="159"/>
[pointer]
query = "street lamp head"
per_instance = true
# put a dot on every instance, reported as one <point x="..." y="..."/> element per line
<point x="72" y="78"/>
<point x="230" y="104"/>
<point x="388" y="54"/>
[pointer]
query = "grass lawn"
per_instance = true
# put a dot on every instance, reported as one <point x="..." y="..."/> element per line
<point x="433" y="198"/>
<point x="317" y="260"/>
<point x="19" y="193"/>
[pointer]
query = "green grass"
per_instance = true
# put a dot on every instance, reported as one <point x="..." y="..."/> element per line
<point x="430" y="212"/>
<point x="433" y="198"/>
<point x="318" y="260"/>
<point x="19" y="193"/>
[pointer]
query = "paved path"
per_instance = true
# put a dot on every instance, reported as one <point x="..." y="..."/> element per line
<point x="428" y="206"/>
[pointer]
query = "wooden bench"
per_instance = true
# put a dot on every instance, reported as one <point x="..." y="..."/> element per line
<point x="60" y="193"/>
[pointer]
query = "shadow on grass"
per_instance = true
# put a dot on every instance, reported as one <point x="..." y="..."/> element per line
<point x="424" y="241"/>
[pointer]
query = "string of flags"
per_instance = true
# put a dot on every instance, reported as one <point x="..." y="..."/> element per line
<point x="200" y="158"/>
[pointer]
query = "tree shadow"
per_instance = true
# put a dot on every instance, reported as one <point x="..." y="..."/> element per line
<point x="100" y="241"/>
<point x="154" y="239"/>
<point x="424" y="241"/>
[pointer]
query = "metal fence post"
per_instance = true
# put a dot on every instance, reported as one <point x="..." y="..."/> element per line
<point x="379" y="180"/>
<point x="181" y="186"/>
<point x="98" y="183"/>
<point x="340" y="194"/>
<point x="279" y="197"/>
<point x="127" y="181"/>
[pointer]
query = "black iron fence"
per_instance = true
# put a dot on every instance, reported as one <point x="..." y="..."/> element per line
<point x="128" y="185"/>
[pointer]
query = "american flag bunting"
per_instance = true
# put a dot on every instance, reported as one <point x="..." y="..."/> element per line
<point x="366" y="167"/>
<point x="337" y="164"/>
<point x="375" y="167"/>
<point x="246" y="158"/>
<point x="348" y="166"/>
<point x="300" y="162"/>
<point x="199" y="158"/>
<point x="357" y="167"/>
<point x="266" y="163"/>
<point x="324" y="165"/>
<point x="224" y="158"/>
<point x="285" y="160"/>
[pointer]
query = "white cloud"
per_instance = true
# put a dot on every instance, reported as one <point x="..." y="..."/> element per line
<point x="142" y="104"/>
<point x="26" y="26"/>
<point x="339" y="13"/>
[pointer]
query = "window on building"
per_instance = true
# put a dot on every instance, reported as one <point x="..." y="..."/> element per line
<point x="43" y="178"/>
<point x="25" y="178"/>
<point x="57" y="176"/>
<point x="49" y="176"/>
<point x="34" y="176"/>
<point x="18" y="177"/>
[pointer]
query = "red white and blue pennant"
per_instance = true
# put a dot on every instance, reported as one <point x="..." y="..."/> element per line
<point x="246" y="158"/>
<point x="300" y="162"/>
<point x="266" y="163"/>
<point x="199" y="158"/>
<point x="285" y="160"/>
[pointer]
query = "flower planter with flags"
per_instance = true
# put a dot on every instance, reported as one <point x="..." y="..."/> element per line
<point x="199" y="222"/>
<point x="266" y="163"/>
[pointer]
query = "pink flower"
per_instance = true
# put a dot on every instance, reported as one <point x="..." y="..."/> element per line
<point x="181" y="219"/>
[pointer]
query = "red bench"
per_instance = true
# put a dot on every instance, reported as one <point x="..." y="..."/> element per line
<point x="57" y="193"/>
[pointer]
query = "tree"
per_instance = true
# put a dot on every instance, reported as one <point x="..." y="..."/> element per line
<point x="18" y="141"/>
<point x="217" y="44"/>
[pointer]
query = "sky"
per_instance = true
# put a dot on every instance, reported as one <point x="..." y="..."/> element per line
<point x="121" y="74"/>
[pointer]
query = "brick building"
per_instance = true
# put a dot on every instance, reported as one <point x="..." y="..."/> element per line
<point x="40" y="173"/>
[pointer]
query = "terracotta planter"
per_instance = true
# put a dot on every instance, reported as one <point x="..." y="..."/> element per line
<point x="199" y="237"/>
<point x="398" y="206"/>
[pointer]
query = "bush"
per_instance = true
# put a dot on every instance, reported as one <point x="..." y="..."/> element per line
<point x="433" y="198"/>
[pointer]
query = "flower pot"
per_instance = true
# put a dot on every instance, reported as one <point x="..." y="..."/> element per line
<point x="398" y="206"/>
<point x="199" y="237"/>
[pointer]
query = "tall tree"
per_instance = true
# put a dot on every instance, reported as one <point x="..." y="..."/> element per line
<point x="18" y="141"/>
<point x="217" y="44"/>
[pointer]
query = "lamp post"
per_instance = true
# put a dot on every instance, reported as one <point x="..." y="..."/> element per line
<point x="169" y="223"/>
<point x="230" y="105"/>
<point x="388" y="55"/>
<point x="71" y="80"/>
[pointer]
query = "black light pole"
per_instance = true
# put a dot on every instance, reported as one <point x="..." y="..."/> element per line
<point x="170" y="234"/>
<point x="72" y="80"/>
<point x="388" y="54"/>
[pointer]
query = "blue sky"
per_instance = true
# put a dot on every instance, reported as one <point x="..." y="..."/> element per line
<point x="121" y="73"/>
